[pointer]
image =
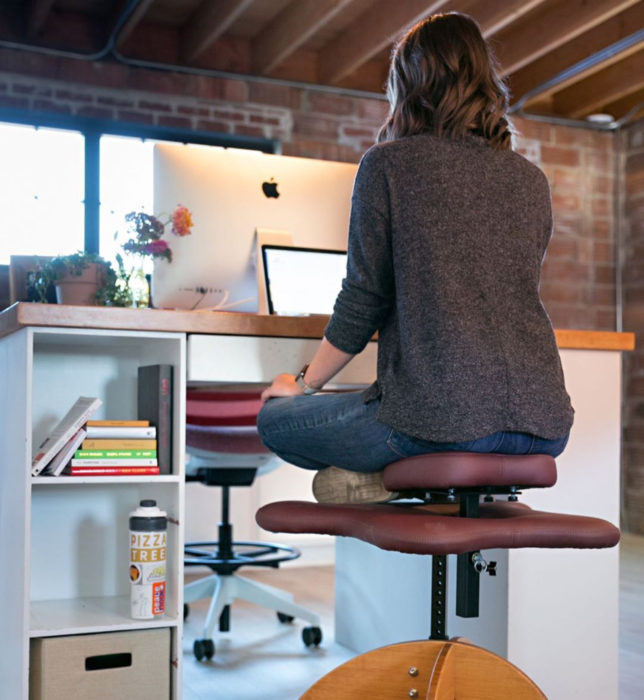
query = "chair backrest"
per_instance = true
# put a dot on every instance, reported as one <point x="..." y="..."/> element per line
<point x="222" y="408"/>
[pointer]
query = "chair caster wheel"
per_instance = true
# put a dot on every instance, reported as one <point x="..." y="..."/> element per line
<point x="204" y="648"/>
<point x="311" y="636"/>
<point x="186" y="611"/>
<point x="283" y="617"/>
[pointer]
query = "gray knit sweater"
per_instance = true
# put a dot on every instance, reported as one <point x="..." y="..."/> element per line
<point x="446" y="242"/>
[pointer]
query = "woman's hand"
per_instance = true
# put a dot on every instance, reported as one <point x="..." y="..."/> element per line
<point x="283" y="385"/>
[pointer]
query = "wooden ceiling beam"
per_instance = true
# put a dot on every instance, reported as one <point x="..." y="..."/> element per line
<point x="372" y="32"/>
<point x="492" y="17"/>
<point x="211" y="20"/>
<point x="290" y="30"/>
<point x="37" y="15"/>
<point x="549" y="27"/>
<point x="620" y="108"/>
<point x="608" y="85"/>
<point x="553" y="64"/>
<point x="133" y="21"/>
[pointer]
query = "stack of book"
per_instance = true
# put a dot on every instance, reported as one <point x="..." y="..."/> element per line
<point x="115" y="448"/>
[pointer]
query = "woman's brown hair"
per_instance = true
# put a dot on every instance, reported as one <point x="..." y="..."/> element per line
<point x="444" y="79"/>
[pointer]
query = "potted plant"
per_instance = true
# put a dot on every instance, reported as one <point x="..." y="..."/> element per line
<point x="80" y="278"/>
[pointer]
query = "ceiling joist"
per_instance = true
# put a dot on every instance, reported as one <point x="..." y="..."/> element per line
<point x="573" y="52"/>
<point x="209" y="23"/>
<point x="608" y="85"/>
<point x="372" y="32"/>
<point x="551" y="26"/>
<point x="292" y="28"/>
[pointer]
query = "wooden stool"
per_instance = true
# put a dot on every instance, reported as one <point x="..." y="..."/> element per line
<point x="449" y="518"/>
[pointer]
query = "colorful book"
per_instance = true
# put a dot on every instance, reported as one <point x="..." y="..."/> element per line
<point x="119" y="444"/>
<point x="154" y="403"/>
<point x="62" y="458"/>
<point x="110" y="471"/>
<point x="76" y="417"/>
<point x="120" y="423"/>
<point x="115" y="454"/>
<point x="114" y="462"/>
<point x="107" y="431"/>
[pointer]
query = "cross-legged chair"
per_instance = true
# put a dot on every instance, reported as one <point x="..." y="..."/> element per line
<point x="465" y="503"/>
<point x="225" y="451"/>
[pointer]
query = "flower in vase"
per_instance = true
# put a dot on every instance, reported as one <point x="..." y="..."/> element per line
<point x="146" y="230"/>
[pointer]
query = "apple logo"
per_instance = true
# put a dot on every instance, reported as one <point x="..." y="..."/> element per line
<point x="270" y="189"/>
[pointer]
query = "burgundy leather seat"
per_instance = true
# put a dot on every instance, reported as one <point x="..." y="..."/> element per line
<point x="437" y="528"/>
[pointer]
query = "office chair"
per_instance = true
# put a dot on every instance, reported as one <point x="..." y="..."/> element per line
<point x="447" y="517"/>
<point x="225" y="451"/>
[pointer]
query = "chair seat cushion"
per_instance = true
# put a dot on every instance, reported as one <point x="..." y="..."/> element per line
<point x="443" y="470"/>
<point x="225" y="438"/>
<point x="437" y="529"/>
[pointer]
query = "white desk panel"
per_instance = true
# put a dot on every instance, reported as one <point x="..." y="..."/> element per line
<point x="258" y="359"/>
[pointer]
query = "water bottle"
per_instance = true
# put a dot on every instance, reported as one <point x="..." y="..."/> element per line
<point x="148" y="536"/>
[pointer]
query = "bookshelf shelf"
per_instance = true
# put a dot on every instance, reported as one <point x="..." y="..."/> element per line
<point x="65" y="538"/>
<point x="71" y="480"/>
<point x="88" y="615"/>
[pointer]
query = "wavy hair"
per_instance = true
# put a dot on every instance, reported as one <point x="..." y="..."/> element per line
<point x="444" y="79"/>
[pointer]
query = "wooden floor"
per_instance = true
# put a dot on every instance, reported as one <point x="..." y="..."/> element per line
<point x="262" y="658"/>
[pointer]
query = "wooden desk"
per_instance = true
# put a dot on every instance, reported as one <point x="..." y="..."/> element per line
<point x="59" y="541"/>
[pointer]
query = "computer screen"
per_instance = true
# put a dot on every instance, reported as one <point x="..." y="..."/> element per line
<point x="233" y="193"/>
<point x="302" y="281"/>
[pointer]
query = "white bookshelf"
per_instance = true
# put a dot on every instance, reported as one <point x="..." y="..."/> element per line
<point x="64" y="544"/>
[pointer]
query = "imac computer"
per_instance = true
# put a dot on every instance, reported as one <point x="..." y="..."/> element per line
<point x="238" y="198"/>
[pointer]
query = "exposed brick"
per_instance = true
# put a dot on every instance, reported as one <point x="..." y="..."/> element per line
<point x="263" y="119"/>
<point x="602" y="206"/>
<point x="554" y="291"/>
<point x="310" y="125"/>
<point x="51" y="106"/>
<point x="563" y="203"/>
<point x="95" y="112"/>
<point x="375" y="110"/>
<point x="604" y="252"/>
<point x="273" y="94"/>
<point x="558" y="155"/>
<point x="74" y="96"/>
<point x="318" y="149"/>
<point x="325" y="103"/>
<point x="597" y="161"/>
<point x="567" y="270"/>
<point x="174" y="122"/>
<point x="605" y="319"/>
<point x="605" y="274"/>
<point x="129" y="115"/>
<point x="567" y="178"/>
<point x="154" y="106"/>
<point x="561" y="247"/>
<point x="229" y="115"/>
<point x="213" y="125"/>
<point x="359" y="132"/>
<point x="532" y="129"/>
<point x="14" y="102"/>
<point x="247" y="130"/>
<point x="111" y="101"/>
<point x="193" y="111"/>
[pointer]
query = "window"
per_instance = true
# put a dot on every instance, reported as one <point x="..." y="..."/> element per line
<point x="66" y="183"/>
<point x="42" y="177"/>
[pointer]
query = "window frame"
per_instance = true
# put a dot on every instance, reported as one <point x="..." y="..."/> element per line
<point x="92" y="129"/>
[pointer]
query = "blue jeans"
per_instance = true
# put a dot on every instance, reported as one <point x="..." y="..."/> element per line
<point x="341" y="430"/>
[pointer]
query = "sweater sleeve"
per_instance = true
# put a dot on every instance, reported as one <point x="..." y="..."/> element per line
<point x="367" y="293"/>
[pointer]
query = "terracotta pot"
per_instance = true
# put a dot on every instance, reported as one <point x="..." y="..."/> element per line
<point x="80" y="290"/>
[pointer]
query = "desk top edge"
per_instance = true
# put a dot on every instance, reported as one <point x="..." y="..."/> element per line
<point x="23" y="314"/>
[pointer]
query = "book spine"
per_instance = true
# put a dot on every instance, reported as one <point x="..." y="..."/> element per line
<point x="154" y="403"/>
<point x="120" y="423"/>
<point x="99" y="431"/>
<point x="111" y="471"/>
<point x="119" y="444"/>
<point x="115" y="454"/>
<point x="114" y="462"/>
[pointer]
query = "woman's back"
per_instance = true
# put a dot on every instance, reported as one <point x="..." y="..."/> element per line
<point x="467" y="348"/>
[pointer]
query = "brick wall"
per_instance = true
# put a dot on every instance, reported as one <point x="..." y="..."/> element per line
<point x="579" y="274"/>
<point x="632" y="236"/>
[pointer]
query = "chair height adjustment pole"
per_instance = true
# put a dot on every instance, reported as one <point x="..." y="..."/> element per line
<point x="439" y="596"/>
<point x="225" y="542"/>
